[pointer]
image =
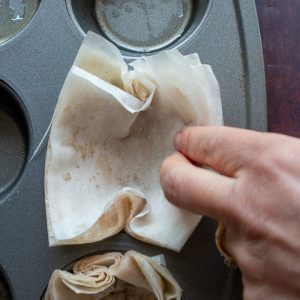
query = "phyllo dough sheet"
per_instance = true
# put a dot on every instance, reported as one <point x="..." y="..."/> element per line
<point x="112" y="128"/>
<point x="114" y="276"/>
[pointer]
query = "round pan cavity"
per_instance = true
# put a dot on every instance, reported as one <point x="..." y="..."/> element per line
<point x="143" y="25"/>
<point x="14" y="138"/>
<point x="14" y="16"/>
<point x="139" y="26"/>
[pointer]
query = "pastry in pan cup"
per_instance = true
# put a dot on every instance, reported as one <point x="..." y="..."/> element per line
<point x="114" y="276"/>
<point x="112" y="128"/>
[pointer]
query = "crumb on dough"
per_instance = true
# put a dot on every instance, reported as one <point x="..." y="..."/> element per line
<point x="67" y="176"/>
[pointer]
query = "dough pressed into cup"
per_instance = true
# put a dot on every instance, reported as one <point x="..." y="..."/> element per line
<point x="112" y="128"/>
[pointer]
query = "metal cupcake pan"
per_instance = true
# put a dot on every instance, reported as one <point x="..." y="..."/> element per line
<point x="33" y="66"/>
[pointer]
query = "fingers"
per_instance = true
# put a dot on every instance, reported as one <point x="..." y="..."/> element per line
<point x="196" y="189"/>
<point x="226" y="150"/>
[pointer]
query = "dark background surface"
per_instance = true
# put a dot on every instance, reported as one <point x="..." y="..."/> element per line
<point x="280" y="30"/>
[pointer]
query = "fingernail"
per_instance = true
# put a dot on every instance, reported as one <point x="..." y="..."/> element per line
<point x="177" y="141"/>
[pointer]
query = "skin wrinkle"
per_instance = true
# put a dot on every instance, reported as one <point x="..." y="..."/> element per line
<point x="248" y="216"/>
<point x="238" y="214"/>
<point x="169" y="181"/>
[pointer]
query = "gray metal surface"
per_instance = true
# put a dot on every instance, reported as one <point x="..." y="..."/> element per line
<point x="35" y="63"/>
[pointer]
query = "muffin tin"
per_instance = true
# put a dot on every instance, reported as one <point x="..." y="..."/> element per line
<point x="33" y="66"/>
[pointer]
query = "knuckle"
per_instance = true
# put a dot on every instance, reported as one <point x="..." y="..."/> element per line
<point x="205" y="145"/>
<point x="187" y="140"/>
<point x="244" y="210"/>
<point x="251" y="223"/>
<point x="275" y="154"/>
<point x="270" y="163"/>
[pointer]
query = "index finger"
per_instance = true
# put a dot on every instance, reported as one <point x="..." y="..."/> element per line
<point x="224" y="149"/>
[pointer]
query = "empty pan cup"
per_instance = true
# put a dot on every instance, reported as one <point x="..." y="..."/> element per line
<point x="143" y="25"/>
<point x="13" y="138"/>
<point x="138" y="25"/>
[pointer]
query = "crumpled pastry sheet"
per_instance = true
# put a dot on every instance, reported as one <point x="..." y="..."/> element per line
<point x="112" y="128"/>
<point x="116" y="277"/>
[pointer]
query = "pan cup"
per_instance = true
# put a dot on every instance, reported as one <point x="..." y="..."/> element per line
<point x="14" y="16"/>
<point x="14" y="138"/>
<point x="138" y="26"/>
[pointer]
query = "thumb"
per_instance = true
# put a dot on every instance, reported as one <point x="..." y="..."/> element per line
<point x="196" y="189"/>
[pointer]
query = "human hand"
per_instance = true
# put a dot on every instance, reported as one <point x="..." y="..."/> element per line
<point x="256" y="194"/>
